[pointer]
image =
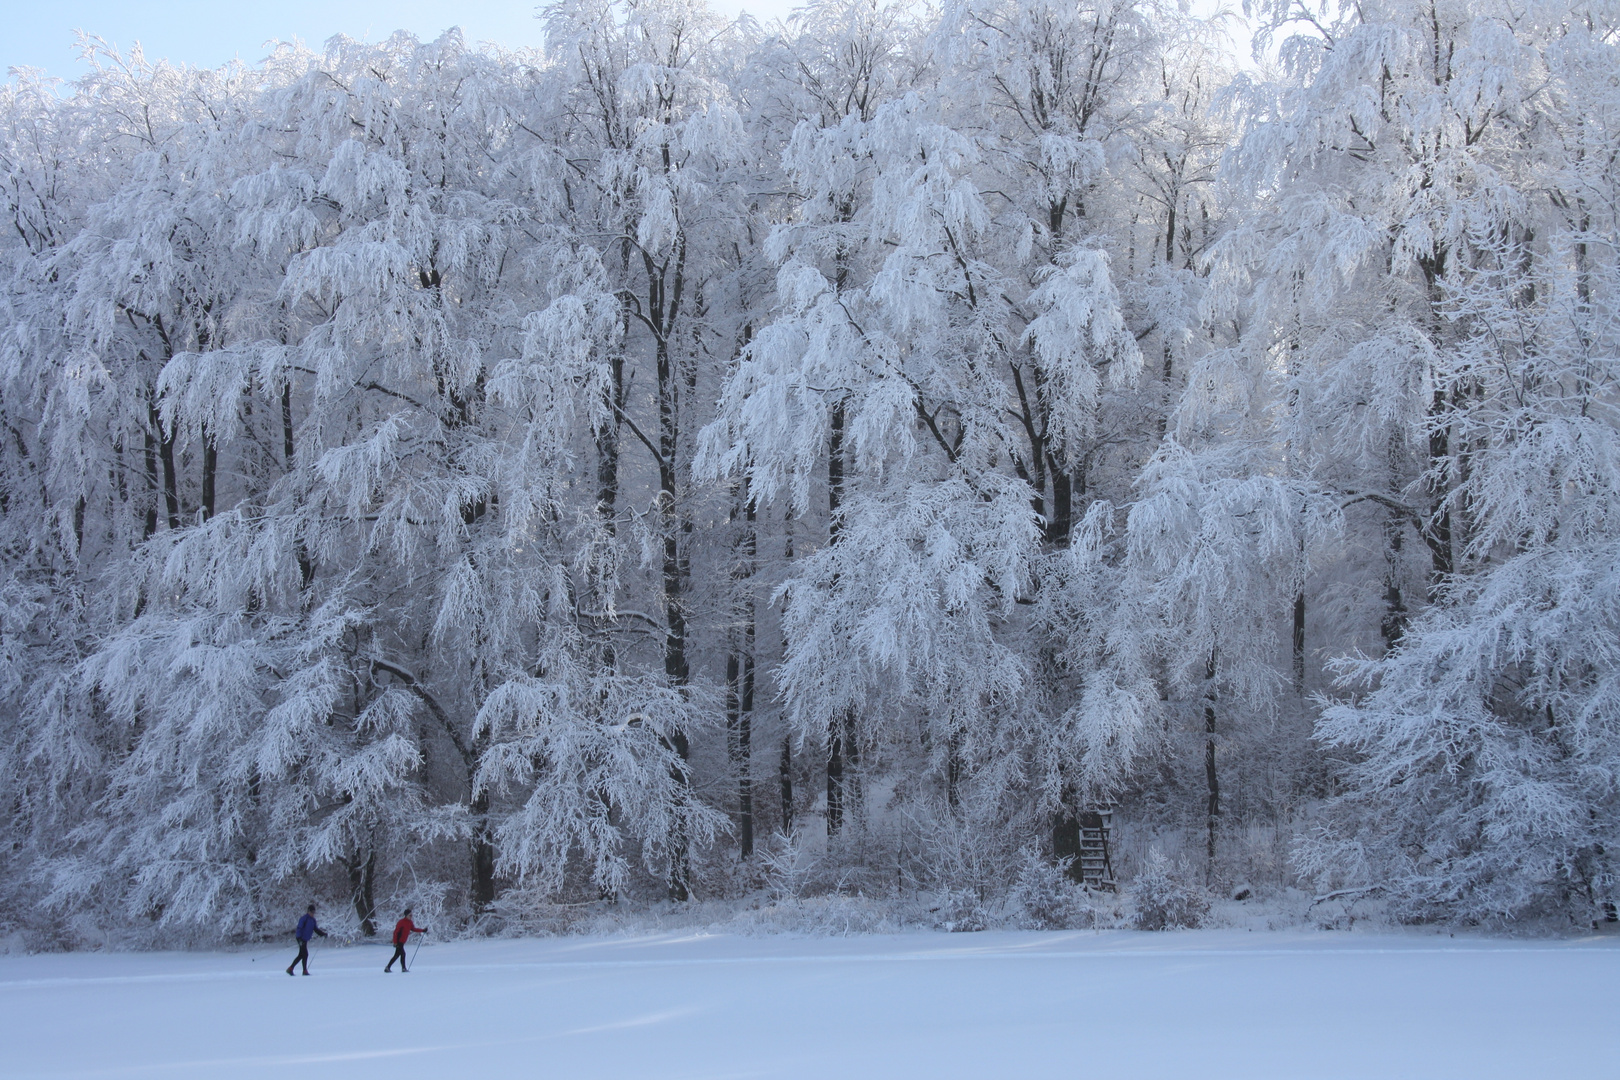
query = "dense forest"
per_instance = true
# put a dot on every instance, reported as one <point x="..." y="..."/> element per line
<point x="702" y="460"/>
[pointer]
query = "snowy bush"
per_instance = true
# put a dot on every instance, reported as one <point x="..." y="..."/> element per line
<point x="788" y="868"/>
<point x="1166" y="896"/>
<point x="961" y="911"/>
<point x="1046" y="898"/>
<point x="835" y="915"/>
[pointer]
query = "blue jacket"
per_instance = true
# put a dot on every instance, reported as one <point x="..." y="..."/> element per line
<point x="307" y="928"/>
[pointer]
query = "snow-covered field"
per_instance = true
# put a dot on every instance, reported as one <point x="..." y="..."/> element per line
<point x="1025" y="1005"/>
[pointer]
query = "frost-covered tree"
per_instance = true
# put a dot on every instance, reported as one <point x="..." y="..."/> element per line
<point x="1479" y="783"/>
<point x="949" y="328"/>
<point x="661" y="195"/>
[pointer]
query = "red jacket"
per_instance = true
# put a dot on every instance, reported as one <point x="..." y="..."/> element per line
<point x="404" y="929"/>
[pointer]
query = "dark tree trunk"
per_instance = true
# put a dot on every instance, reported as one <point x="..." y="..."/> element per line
<point x="835" y="470"/>
<point x="835" y="732"/>
<point x="1299" y="642"/>
<point x="1169" y="371"/>
<point x="149" y="525"/>
<point x="362" y="890"/>
<point x="1170" y="233"/>
<point x="745" y="737"/>
<point x="1212" y="779"/>
<point x="784" y="778"/>
<point x="483" y="855"/>
<point x="739" y="704"/>
<point x="607" y="449"/>
<point x="607" y="481"/>
<point x="306" y="567"/>
<point x="854" y="807"/>
<point x="171" y="487"/>
<point x="1061" y="523"/>
<point x="210" y="468"/>
<point x="740" y="680"/>
<point x="287" y="425"/>
<point x="1032" y="473"/>
<point x="1393" y="624"/>
<point x="663" y="307"/>
<point x="678" y="673"/>
<point x="1066" y="840"/>
<point x="835" y="779"/>
<point x="680" y="856"/>
<point x="953" y="772"/>
<point x="1438" y="532"/>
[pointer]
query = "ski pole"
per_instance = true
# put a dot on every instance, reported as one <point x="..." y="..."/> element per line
<point x="416" y="950"/>
<point x="264" y="956"/>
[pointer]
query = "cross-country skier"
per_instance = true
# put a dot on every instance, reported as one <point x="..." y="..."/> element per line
<point x="306" y="930"/>
<point x="402" y="933"/>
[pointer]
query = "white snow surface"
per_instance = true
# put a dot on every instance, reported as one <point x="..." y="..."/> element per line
<point x="998" y="1004"/>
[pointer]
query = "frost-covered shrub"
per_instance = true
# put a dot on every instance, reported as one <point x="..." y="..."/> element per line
<point x="1167" y="897"/>
<point x="834" y="915"/>
<point x="1045" y="898"/>
<point x="961" y="911"/>
<point x="789" y="869"/>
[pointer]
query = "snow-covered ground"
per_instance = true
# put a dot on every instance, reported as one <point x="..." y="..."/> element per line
<point x="1025" y="1005"/>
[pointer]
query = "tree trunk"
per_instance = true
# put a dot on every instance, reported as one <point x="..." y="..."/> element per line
<point x="1299" y="642"/>
<point x="306" y="567"/>
<point x="483" y="855"/>
<point x="741" y="680"/>
<point x="1393" y="623"/>
<point x="607" y="449"/>
<point x="171" y="488"/>
<point x="1170" y="231"/>
<point x="740" y="684"/>
<point x="784" y="778"/>
<point x="835" y="779"/>
<point x="210" y="468"/>
<point x="1066" y="839"/>
<point x="739" y="703"/>
<point x="854" y="806"/>
<point x="1213" y="808"/>
<point x="835" y="733"/>
<point x="1058" y="528"/>
<point x="1439" y="527"/>
<point x="362" y="890"/>
<point x="676" y="668"/>
<point x="1437" y="533"/>
<point x="745" y="735"/>
<point x="149" y="525"/>
<point x="287" y="425"/>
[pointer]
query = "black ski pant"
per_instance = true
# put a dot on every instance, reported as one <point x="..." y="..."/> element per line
<point x="302" y="957"/>
<point x="399" y="954"/>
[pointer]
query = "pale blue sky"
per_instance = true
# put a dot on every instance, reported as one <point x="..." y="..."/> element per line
<point x="39" y="33"/>
<point x="207" y="33"/>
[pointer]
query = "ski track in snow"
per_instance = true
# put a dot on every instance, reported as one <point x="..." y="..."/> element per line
<point x="1205" y="1004"/>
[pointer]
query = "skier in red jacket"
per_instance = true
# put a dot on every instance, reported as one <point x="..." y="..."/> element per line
<point x="402" y="933"/>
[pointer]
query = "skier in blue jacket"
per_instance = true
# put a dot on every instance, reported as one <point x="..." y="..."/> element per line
<point x="306" y="930"/>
